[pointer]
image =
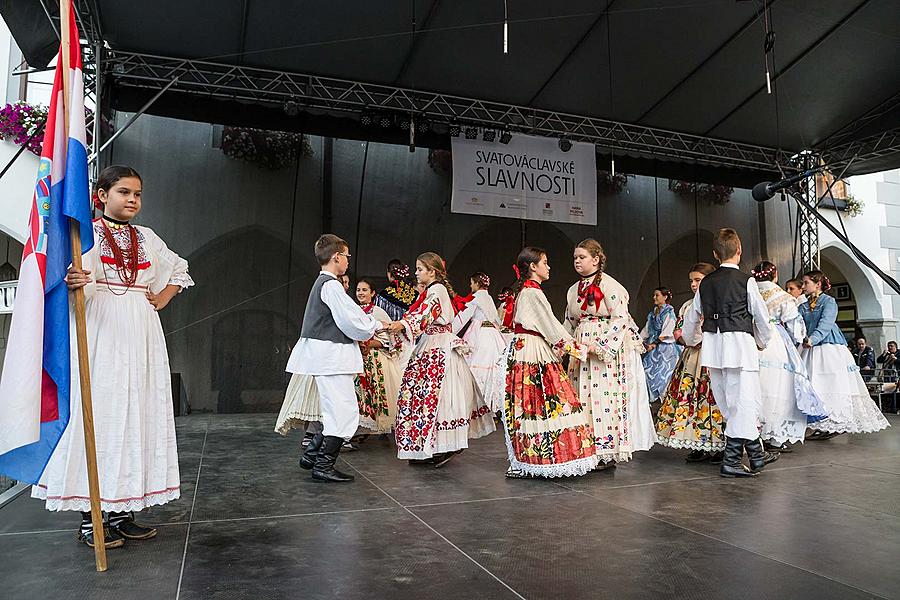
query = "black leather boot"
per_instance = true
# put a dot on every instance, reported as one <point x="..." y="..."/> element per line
<point x="759" y="458"/>
<point x="732" y="465"/>
<point x="308" y="458"/>
<point x="323" y="469"/>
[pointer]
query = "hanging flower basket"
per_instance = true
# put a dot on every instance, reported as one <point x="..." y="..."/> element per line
<point x="440" y="161"/>
<point x="267" y="149"/>
<point x="610" y="184"/>
<point x="714" y="194"/>
<point x="855" y="207"/>
<point x="18" y="121"/>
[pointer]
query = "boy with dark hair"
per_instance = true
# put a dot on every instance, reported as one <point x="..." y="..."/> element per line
<point x="332" y="325"/>
<point x="730" y="314"/>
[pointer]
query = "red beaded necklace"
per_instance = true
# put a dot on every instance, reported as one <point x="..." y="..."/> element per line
<point x="125" y="263"/>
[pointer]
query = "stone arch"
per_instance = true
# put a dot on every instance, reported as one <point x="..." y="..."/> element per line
<point x="864" y="284"/>
<point x="670" y="269"/>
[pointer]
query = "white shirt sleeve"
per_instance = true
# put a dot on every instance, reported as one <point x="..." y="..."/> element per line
<point x="348" y="316"/>
<point x="761" y="330"/>
<point x="691" y="331"/>
<point x="463" y="317"/>
<point x="668" y="329"/>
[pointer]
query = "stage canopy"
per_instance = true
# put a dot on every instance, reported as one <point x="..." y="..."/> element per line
<point x="682" y="74"/>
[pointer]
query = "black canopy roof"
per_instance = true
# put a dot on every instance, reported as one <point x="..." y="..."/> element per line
<point x="693" y="66"/>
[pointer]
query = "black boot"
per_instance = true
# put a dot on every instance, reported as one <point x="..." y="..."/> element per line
<point x="697" y="456"/>
<point x="324" y="470"/>
<point x="759" y="458"/>
<point x="123" y="523"/>
<point x="308" y="458"/>
<point x="732" y="466"/>
<point x="86" y="534"/>
<point x="716" y="458"/>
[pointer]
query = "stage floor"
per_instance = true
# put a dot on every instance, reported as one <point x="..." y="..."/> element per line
<point x="823" y="522"/>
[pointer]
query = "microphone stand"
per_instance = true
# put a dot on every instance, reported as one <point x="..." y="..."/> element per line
<point x="860" y="256"/>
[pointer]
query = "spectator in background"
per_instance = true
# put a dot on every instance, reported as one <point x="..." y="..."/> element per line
<point x="864" y="357"/>
<point x="888" y="358"/>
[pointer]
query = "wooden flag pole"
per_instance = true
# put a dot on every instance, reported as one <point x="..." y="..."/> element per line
<point x="84" y="371"/>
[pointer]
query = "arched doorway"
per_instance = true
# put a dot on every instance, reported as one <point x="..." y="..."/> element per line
<point x="860" y="304"/>
<point x="670" y="269"/>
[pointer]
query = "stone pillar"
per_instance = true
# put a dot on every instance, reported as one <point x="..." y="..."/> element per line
<point x="878" y="332"/>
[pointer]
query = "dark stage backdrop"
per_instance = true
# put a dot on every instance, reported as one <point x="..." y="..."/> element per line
<point x="248" y="233"/>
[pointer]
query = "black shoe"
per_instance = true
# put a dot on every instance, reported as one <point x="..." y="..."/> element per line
<point x="821" y="435"/>
<point x="308" y="458"/>
<point x="442" y="459"/>
<point x="124" y="525"/>
<point x="307" y="438"/>
<point x="347" y="446"/>
<point x="784" y="448"/>
<point x="605" y="466"/>
<point x="732" y="464"/>
<point x="697" y="456"/>
<point x="324" y="470"/>
<point x="716" y="458"/>
<point x="111" y="538"/>
<point x="759" y="458"/>
<point x="421" y="461"/>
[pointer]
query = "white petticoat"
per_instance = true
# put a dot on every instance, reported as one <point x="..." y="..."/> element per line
<point x="836" y="379"/>
<point x="300" y="406"/>
<point x="137" y="455"/>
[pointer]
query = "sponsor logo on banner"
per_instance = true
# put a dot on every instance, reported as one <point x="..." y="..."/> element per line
<point x="528" y="178"/>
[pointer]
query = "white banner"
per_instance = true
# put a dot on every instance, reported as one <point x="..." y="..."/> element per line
<point x="528" y="178"/>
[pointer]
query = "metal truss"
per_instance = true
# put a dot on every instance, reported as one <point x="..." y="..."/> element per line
<point x="874" y="146"/>
<point x="807" y="234"/>
<point x="343" y="97"/>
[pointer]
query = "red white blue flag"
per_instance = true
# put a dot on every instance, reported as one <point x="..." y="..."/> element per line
<point x="36" y="380"/>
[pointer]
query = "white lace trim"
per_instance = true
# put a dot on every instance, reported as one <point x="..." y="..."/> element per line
<point x="691" y="444"/>
<point x="182" y="279"/>
<point x="574" y="468"/>
<point x="373" y="426"/>
<point x="84" y="504"/>
<point x="616" y="457"/>
<point x="295" y="420"/>
<point x="784" y="431"/>
<point x="866" y="418"/>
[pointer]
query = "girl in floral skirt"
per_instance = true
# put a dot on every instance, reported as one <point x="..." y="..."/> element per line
<point x="548" y="430"/>
<point x="379" y="385"/>
<point x="688" y="416"/>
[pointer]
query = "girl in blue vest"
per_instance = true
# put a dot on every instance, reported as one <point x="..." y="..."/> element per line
<point x="832" y="370"/>
<point x="659" y="341"/>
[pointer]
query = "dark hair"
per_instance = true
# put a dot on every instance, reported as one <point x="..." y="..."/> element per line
<point x="397" y="269"/>
<point x="108" y="177"/>
<point x="892" y="342"/>
<point x="819" y="277"/>
<point x="764" y="271"/>
<point x="726" y="244"/>
<point x="702" y="267"/>
<point x="434" y="262"/>
<point x="482" y="279"/>
<point x="368" y="282"/>
<point x="795" y="281"/>
<point x="528" y="255"/>
<point x="665" y="292"/>
<point x="327" y="246"/>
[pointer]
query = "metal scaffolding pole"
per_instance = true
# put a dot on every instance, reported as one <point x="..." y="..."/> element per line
<point x="807" y="224"/>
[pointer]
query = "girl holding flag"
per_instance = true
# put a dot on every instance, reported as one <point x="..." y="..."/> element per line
<point x="129" y="275"/>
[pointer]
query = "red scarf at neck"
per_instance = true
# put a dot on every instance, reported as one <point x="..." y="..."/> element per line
<point x="589" y="293"/>
<point x="367" y="308"/>
<point x="460" y="302"/>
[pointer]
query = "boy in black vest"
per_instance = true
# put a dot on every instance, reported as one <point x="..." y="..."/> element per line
<point x="328" y="350"/>
<point x="734" y="322"/>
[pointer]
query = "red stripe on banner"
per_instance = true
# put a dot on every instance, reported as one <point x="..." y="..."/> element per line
<point x="49" y="399"/>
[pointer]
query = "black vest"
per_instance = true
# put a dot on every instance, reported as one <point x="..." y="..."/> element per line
<point x="318" y="322"/>
<point x="723" y="297"/>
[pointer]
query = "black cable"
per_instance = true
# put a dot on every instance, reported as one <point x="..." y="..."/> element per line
<point x="362" y="181"/>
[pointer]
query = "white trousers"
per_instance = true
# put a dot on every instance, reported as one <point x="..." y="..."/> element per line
<point x="738" y="397"/>
<point x="340" y="410"/>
